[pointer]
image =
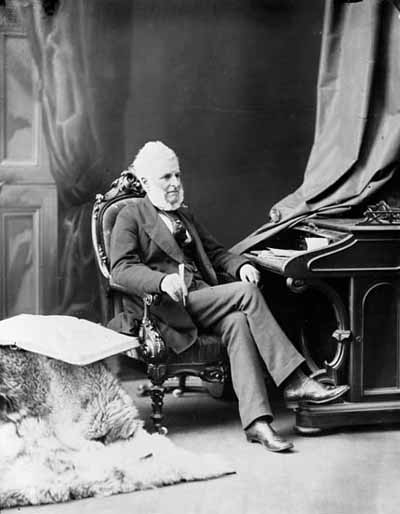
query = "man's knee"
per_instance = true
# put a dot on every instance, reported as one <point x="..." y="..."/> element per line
<point x="249" y="293"/>
<point x="250" y="288"/>
<point x="246" y="289"/>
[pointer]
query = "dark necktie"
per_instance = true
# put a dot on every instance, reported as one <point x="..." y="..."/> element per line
<point x="179" y="231"/>
<point x="178" y="228"/>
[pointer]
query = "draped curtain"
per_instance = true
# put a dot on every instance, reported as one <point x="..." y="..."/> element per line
<point x="61" y="45"/>
<point x="357" y="133"/>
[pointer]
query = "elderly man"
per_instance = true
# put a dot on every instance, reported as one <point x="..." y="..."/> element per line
<point x="151" y="239"/>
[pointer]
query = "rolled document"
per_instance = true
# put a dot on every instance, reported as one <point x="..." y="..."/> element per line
<point x="181" y="269"/>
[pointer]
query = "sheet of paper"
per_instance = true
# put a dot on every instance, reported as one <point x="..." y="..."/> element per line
<point x="284" y="252"/>
<point x="312" y="243"/>
<point x="65" y="338"/>
<point x="315" y="243"/>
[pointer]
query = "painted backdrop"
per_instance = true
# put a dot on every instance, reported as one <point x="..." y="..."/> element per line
<point x="230" y="85"/>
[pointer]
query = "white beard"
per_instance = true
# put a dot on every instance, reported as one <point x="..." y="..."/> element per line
<point x="157" y="198"/>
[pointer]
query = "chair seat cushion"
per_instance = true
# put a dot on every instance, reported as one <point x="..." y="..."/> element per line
<point x="208" y="349"/>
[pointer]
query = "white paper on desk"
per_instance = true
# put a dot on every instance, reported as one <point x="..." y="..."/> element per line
<point x="280" y="252"/>
<point x="315" y="243"/>
<point x="66" y="338"/>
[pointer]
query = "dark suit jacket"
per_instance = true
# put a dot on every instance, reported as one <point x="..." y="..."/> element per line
<point x="143" y="251"/>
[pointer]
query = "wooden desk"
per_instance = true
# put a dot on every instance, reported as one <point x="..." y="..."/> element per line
<point x="358" y="272"/>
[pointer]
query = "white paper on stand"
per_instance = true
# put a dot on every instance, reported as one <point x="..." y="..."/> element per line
<point x="66" y="338"/>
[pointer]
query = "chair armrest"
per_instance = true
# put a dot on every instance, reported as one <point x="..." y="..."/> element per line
<point x="149" y="299"/>
<point x="152" y="346"/>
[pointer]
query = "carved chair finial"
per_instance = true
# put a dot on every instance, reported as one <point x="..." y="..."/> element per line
<point x="126" y="183"/>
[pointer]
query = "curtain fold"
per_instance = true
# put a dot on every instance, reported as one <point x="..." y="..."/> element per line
<point x="61" y="46"/>
<point x="357" y="131"/>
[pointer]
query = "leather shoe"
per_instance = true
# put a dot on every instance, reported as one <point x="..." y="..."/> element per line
<point x="314" y="392"/>
<point x="261" y="432"/>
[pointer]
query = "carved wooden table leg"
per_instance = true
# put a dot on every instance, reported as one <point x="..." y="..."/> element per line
<point x="341" y="337"/>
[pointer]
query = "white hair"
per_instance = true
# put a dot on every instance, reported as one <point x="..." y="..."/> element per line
<point x="152" y="154"/>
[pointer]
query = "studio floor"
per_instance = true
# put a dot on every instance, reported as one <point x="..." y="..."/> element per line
<point x="348" y="471"/>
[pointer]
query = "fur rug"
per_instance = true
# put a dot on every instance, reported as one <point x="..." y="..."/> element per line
<point x="69" y="432"/>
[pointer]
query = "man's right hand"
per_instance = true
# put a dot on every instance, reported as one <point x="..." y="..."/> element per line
<point x="173" y="286"/>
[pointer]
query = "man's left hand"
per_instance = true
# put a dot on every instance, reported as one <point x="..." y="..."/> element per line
<point x="249" y="273"/>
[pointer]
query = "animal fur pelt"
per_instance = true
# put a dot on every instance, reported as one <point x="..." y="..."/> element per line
<point x="69" y="432"/>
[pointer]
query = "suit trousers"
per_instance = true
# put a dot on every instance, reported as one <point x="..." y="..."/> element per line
<point x="237" y="312"/>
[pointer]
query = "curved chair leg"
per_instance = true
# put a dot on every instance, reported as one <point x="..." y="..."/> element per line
<point x="157" y="401"/>
<point x="182" y="387"/>
<point x="157" y="374"/>
<point x="178" y="391"/>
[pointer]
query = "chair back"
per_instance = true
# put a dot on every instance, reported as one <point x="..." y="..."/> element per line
<point x="123" y="191"/>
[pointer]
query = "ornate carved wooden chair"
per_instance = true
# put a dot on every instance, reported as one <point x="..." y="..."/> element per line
<point x="206" y="359"/>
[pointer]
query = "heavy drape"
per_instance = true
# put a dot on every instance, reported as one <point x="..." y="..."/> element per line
<point x="61" y="46"/>
<point x="357" y="132"/>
